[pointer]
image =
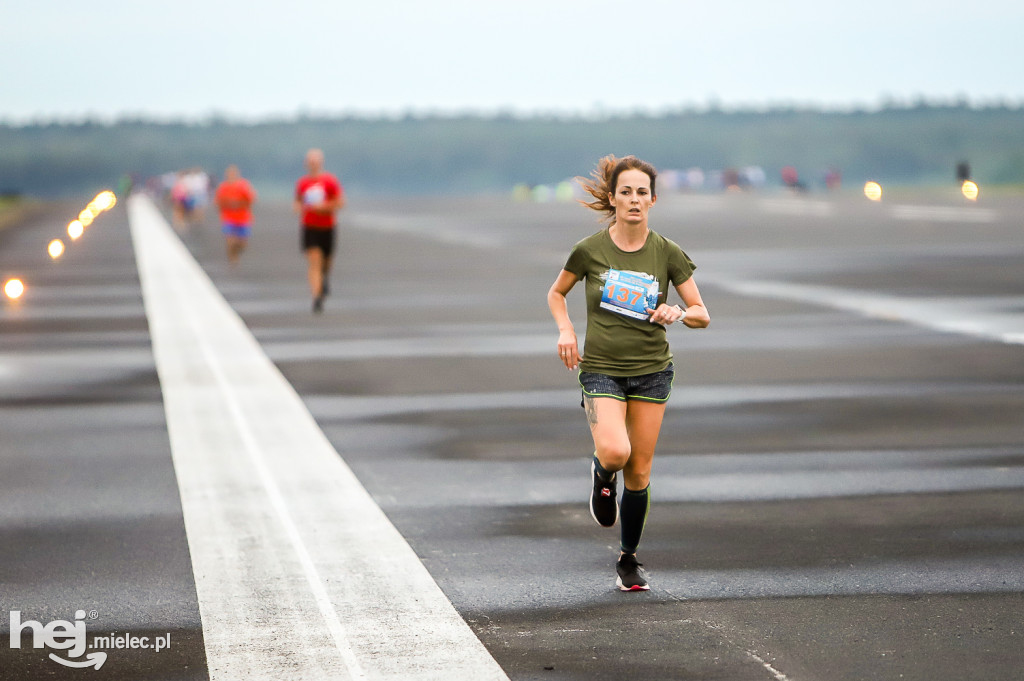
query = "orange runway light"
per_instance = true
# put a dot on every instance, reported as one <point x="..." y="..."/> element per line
<point x="105" y="200"/>
<point x="55" y="248"/>
<point x="75" y="229"/>
<point x="14" y="288"/>
<point x="970" y="190"/>
<point x="873" y="191"/>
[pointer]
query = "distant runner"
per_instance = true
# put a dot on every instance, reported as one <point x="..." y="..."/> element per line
<point x="234" y="198"/>
<point x="627" y="373"/>
<point x="318" y="195"/>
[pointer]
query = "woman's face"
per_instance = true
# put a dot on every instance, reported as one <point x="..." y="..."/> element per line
<point x="633" y="197"/>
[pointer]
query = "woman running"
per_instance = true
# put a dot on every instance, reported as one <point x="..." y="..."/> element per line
<point x="627" y="373"/>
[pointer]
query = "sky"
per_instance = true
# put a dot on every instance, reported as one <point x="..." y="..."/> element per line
<point x="258" y="59"/>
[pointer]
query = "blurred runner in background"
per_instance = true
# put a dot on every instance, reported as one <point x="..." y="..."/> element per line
<point x="318" y="195"/>
<point x="234" y="198"/>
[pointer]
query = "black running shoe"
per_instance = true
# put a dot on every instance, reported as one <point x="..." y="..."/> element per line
<point x="318" y="305"/>
<point x="602" y="500"/>
<point x="632" y="576"/>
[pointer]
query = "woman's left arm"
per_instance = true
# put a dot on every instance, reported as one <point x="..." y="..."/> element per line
<point x="696" y="315"/>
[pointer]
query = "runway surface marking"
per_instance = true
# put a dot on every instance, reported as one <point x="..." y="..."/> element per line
<point x="299" y="574"/>
<point x="776" y="674"/>
<point x="996" y="572"/>
<point x="797" y="206"/>
<point x="992" y="318"/>
<point x="360" y="407"/>
<point x="944" y="213"/>
<point x="724" y="478"/>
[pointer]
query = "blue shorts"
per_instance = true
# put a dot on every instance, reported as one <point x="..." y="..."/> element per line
<point x="234" y="229"/>
<point x="654" y="387"/>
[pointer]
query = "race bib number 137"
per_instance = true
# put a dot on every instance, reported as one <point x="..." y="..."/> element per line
<point x="630" y="293"/>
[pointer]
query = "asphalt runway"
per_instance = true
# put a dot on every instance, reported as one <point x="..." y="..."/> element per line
<point x="837" y="489"/>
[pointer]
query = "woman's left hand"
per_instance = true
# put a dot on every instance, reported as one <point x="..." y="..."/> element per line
<point x="666" y="314"/>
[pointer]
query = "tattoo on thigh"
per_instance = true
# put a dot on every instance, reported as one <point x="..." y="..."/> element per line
<point x="591" y="409"/>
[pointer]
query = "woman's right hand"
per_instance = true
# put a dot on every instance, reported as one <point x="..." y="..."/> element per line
<point x="569" y="350"/>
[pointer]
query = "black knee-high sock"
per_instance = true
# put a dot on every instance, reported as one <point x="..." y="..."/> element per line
<point x="633" y="516"/>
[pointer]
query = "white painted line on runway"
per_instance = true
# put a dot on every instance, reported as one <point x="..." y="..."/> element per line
<point x="361" y="407"/>
<point x="996" y="571"/>
<point x="776" y="674"/>
<point x="687" y="479"/>
<point x="992" y="318"/>
<point x="437" y="229"/>
<point x="299" y="574"/>
<point x="455" y="345"/>
<point x="797" y="206"/>
<point x="944" y="213"/>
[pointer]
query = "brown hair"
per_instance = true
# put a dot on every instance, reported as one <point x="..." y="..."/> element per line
<point x="605" y="178"/>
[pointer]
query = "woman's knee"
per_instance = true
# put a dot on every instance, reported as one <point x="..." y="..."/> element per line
<point x="613" y="455"/>
<point x="637" y="472"/>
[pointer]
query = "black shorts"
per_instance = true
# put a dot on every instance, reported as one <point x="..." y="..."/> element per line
<point x="654" y="387"/>
<point x="318" y="238"/>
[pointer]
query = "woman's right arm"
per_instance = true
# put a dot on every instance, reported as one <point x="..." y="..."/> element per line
<point x="568" y="348"/>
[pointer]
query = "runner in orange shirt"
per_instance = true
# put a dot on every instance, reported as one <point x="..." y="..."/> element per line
<point x="235" y="197"/>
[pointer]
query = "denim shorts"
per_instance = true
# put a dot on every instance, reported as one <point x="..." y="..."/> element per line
<point x="654" y="387"/>
<point x="237" y="230"/>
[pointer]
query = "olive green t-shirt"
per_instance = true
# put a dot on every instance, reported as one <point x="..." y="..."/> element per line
<point x="620" y="286"/>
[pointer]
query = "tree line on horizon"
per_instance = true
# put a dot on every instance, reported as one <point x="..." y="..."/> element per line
<point x="474" y="154"/>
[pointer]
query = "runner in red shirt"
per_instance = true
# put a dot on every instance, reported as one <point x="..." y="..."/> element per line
<point x="318" y="195"/>
<point x="234" y="198"/>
